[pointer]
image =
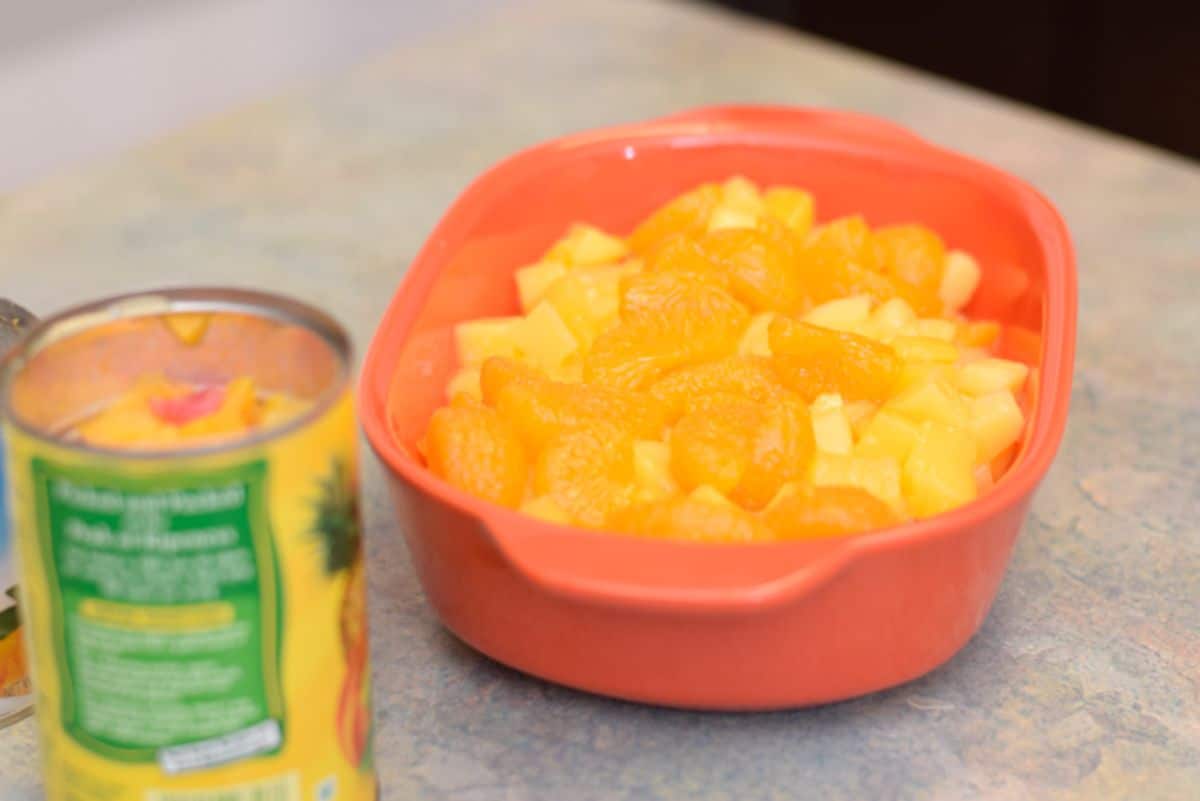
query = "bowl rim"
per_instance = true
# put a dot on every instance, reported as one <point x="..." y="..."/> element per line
<point x="847" y="132"/>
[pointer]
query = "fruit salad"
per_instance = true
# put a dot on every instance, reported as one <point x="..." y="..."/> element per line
<point x="160" y="413"/>
<point x="732" y="371"/>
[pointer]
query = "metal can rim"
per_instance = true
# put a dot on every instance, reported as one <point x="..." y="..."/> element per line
<point x="171" y="300"/>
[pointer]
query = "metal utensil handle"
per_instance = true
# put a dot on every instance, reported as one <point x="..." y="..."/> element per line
<point x="16" y="701"/>
<point x="15" y="320"/>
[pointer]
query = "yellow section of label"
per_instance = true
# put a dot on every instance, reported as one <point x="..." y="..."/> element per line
<point x="283" y="788"/>
<point x="196" y="617"/>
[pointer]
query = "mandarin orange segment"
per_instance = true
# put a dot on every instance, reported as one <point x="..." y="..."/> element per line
<point x="669" y="320"/>
<point x="978" y="334"/>
<point x="632" y="357"/>
<point x="475" y="449"/>
<point x="912" y="253"/>
<point x="761" y="265"/>
<point x="682" y="254"/>
<point x="685" y="301"/>
<point x="711" y="446"/>
<point x="687" y="214"/>
<point x="844" y="258"/>
<point x="841" y="241"/>
<point x="742" y="449"/>
<point x="588" y="472"/>
<point x="882" y="288"/>
<point x="804" y="512"/>
<point x="691" y="520"/>
<point x="749" y="377"/>
<point x="539" y="408"/>
<point x="499" y="372"/>
<point x="813" y="361"/>
<point x="780" y="451"/>
<point x="824" y="282"/>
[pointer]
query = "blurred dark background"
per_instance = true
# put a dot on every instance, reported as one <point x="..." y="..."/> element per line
<point x="1130" y="67"/>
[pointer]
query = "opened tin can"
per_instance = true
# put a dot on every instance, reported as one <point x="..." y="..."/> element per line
<point x="183" y="488"/>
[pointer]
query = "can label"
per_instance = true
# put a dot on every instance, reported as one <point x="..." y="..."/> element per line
<point x="199" y="624"/>
<point x="167" y="616"/>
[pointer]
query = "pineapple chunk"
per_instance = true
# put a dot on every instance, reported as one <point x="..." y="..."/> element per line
<point x="830" y="424"/>
<point x="544" y="508"/>
<point x="915" y="374"/>
<point x="871" y="330"/>
<point x="587" y="245"/>
<point x="843" y="314"/>
<point x="859" y="413"/>
<point x="619" y="270"/>
<point x="740" y="194"/>
<point x="968" y="355"/>
<point x="543" y="339"/>
<point x="995" y="422"/>
<point x="478" y="340"/>
<point x="188" y="327"/>
<point x="652" y="471"/>
<point x="960" y="279"/>
<point x="604" y="282"/>
<point x="991" y="375"/>
<point x="724" y="216"/>
<point x="939" y="474"/>
<point x="792" y="207"/>
<point x="935" y="328"/>
<point x="534" y="280"/>
<point x="925" y="349"/>
<point x="888" y="434"/>
<point x="588" y="300"/>
<point x="465" y="383"/>
<point x="935" y="400"/>
<point x="893" y="315"/>
<point x="710" y="495"/>
<point x="878" y="475"/>
<point x="755" y="341"/>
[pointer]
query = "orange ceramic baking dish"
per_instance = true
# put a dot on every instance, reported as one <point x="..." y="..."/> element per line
<point x="717" y="626"/>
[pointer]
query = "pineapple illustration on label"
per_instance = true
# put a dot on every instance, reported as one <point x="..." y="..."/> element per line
<point x="338" y="530"/>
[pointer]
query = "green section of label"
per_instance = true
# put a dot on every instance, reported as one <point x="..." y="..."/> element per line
<point x="166" y="604"/>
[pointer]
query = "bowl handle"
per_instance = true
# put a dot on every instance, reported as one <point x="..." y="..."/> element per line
<point x="860" y="127"/>
<point x="686" y="577"/>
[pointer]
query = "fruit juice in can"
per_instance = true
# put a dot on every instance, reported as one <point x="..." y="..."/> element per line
<point x="16" y="699"/>
<point x="191" y="562"/>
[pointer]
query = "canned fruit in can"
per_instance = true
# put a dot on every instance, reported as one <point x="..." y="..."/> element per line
<point x="158" y="413"/>
<point x="184" y="496"/>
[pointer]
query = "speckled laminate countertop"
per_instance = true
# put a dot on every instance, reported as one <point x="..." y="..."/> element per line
<point x="1084" y="682"/>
